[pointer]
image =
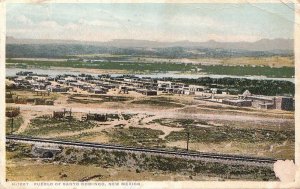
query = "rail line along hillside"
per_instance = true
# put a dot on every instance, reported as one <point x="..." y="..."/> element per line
<point x="183" y="154"/>
<point x="173" y="96"/>
<point x="88" y="119"/>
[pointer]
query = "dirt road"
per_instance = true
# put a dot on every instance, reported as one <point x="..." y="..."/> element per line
<point x="170" y="113"/>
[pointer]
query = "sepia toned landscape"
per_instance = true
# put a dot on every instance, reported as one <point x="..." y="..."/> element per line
<point x="146" y="109"/>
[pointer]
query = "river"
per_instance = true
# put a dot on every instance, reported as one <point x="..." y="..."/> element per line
<point x="60" y="71"/>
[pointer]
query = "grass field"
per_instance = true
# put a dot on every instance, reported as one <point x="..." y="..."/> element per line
<point x="223" y="69"/>
<point x="224" y="133"/>
<point x="179" y="122"/>
<point x="85" y="165"/>
<point x="45" y="125"/>
<point x="87" y="99"/>
<point x="285" y="150"/>
<point x="274" y="61"/>
<point x="135" y="136"/>
<point x="249" y="70"/>
<point x="158" y="102"/>
<point x="12" y="126"/>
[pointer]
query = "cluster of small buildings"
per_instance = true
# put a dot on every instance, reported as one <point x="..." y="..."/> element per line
<point x="30" y="80"/>
<point x="262" y="102"/>
<point x="101" y="84"/>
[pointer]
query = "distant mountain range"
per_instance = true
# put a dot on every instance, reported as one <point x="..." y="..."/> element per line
<point x="260" y="45"/>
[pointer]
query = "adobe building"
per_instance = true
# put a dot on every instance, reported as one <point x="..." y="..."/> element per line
<point x="237" y="102"/>
<point x="269" y="102"/>
<point x="284" y="103"/>
<point x="261" y="102"/>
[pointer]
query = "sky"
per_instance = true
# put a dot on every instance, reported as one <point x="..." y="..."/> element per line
<point x="156" y="22"/>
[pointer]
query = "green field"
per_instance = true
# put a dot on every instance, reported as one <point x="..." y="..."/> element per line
<point x="159" y="102"/>
<point x="12" y="126"/>
<point x="136" y="136"/>
<point x="225" y="133"/>
<point x="137" y="67"/>
<point x="45" y="125"/>
<point x="87" y="99"/>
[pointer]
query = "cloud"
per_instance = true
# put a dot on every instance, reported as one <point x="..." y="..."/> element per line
<point x="163" y="22"/>
<point x="195" y="21"/>
<point x="175" y="27"/>
<point x="102" y="30"/>
<point x="49" y="24"/>
<point x="22" y="20"/>
<point x="99" y="23"/>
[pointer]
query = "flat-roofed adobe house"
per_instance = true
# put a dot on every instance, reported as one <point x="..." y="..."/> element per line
<point x="237" y="102"/>
<point x="269" y="102"/>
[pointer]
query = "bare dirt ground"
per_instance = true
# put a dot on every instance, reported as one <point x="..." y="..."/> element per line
<point x="27" y="116"/>
<point x="144" y="114"/>
<point x="260" y="149"/>
<point x="36" y="170"/>
<point x="169" y="113"/>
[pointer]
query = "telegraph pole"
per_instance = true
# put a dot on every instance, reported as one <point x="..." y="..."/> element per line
<point x="70" y="116"/>
<point x="12" y="123"/>
<point x="12" y="126"/>
<point x="187" y="141"/>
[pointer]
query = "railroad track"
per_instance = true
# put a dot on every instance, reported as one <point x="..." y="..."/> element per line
<point x="19" y="138"/>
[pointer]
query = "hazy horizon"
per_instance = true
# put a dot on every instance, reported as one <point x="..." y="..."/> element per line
<point x="111" y="40"/>
<point x="243" y="22"/>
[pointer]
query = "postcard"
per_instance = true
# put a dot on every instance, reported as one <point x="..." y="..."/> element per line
<point x="167" y="94"/>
